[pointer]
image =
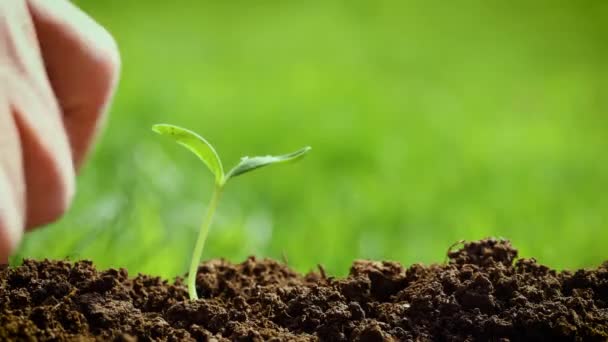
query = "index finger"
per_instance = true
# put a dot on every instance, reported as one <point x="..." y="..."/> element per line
<point x="82" y="63"/>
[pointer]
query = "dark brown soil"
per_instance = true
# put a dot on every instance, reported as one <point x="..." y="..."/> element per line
<point x="482" y="293"/>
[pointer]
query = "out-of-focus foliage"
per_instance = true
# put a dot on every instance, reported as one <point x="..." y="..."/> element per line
<point x="432" y="121"/>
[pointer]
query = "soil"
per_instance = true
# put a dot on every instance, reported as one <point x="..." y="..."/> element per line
<point x="483" y="292"/>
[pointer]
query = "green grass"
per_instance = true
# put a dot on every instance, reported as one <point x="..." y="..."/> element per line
<point x="430" y="122"/>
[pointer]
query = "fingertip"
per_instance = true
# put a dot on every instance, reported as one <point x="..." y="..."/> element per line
<point x="43" y="212"/>
<point x="49" y="193"/>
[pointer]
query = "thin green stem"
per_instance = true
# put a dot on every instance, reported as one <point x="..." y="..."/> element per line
<point x="200" y="242"/>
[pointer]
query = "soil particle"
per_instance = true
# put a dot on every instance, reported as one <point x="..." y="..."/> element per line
<point x="482" y="293"/>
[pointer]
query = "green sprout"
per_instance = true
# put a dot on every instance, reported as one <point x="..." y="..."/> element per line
<point x="203" y="149"/>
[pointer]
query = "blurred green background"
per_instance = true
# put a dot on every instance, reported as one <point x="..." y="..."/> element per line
<point x="430" y="122"/>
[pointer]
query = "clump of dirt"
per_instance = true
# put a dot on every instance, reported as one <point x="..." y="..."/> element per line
<point x="482" y="293"/>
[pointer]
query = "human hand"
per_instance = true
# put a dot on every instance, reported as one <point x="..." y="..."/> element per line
<point x="58" y="71"/>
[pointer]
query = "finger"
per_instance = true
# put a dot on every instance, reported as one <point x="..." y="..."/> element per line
<point x="12" y="183"/>
<point x="47" y="162"/>
<point x="82" y="63"/>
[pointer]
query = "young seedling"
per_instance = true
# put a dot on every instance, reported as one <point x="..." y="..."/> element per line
<point x="203" y="149"/>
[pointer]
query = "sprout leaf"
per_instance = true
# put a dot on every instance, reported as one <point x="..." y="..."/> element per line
<point x="197" y="144"/>
<point x="249" y="164"/>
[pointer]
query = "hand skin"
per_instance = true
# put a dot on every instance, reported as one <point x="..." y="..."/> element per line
<point x="58" y="72"/>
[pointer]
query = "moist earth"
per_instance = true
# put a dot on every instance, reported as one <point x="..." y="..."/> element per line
<point x="482" y="292"/>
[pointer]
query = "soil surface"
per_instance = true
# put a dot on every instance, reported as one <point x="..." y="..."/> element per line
<point x="481" y="293"/>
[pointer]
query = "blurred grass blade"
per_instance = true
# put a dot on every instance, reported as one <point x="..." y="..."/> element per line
<point x="248" y="164"/>
<point x="195" y="143"/>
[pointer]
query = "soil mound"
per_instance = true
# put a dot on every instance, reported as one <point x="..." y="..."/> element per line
<point x="482" y="293"/>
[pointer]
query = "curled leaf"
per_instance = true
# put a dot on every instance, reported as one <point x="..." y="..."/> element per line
<point x="197" y="144"/>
